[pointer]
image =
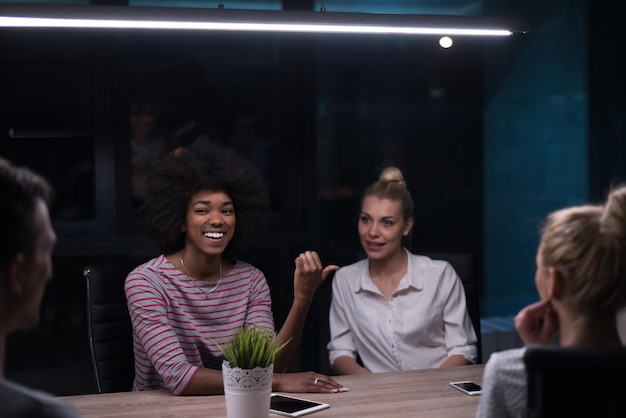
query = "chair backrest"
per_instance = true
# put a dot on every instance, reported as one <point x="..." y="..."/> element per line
<point x="466" y="267"/>
<point x="575" y="381"/>
<point x="109" y="325"/>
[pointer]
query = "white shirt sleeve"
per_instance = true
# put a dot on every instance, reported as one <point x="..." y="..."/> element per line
<point x="459" y="332"/>
<point x="341" y="342"/>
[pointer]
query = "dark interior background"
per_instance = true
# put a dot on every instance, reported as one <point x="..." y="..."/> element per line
<point x="320" y="114"/>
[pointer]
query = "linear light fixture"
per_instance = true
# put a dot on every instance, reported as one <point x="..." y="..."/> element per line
<point x="126" y="17"/>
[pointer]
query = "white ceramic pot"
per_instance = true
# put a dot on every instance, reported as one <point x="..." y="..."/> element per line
<point x="247" y="391"/>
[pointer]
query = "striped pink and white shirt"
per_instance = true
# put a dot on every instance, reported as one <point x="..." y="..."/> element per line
<point x="176" y="324"/>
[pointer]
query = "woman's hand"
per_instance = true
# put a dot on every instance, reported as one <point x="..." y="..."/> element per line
<point x="305" y="382"/>
<point x="309" y="275"/>
<point x="537" y="323"/>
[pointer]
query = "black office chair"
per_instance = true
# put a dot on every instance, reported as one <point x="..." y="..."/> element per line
<point x="575" y="382"/>
<point x="466" y="267"/>
<point x="109" y="326"/>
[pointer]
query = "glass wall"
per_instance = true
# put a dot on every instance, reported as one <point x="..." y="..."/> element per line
<point x="404" y="102"/>
<point x="46" y="116"/>
<point x="433" y="7"/>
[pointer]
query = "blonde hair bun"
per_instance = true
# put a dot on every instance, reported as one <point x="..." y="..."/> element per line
<point x="613" y="219"/>
<point x="392" y="175"/>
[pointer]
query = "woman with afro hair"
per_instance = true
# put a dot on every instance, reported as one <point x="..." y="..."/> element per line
<point x="203" y="201"/>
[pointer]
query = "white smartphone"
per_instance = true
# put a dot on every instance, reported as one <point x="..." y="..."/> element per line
<point x="294" y="407"/>
<point x="467" y="387"/>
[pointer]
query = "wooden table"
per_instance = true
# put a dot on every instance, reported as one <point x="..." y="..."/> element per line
<point x="420" y="393"/>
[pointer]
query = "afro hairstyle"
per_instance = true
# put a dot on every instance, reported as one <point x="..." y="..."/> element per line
<point x="204" y="165"/>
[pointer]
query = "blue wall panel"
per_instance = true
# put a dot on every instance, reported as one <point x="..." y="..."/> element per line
<point x="535" y="146"/>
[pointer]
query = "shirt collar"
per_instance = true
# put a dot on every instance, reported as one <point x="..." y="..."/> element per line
<point x="410" y="280"/>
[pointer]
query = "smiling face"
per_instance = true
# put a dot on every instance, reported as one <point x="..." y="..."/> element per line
<point x="382" y="226"/>
<point x="209" y="222"/>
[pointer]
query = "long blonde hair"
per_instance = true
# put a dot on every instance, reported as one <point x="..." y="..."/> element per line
<point x="587" y="244"/>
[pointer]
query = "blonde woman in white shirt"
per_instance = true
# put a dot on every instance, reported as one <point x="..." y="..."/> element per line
<point x="396" y="310"/>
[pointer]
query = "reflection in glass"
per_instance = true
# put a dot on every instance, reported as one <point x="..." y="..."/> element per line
<point x="71" y="172"/>
<point x="148" y="145"/>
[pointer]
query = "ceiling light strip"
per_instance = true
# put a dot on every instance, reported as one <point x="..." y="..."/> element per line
<point x="26" y="22"/>
<point x="128" y="17"/>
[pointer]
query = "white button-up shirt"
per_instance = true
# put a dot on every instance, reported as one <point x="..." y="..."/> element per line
<point x="424" y="322"/>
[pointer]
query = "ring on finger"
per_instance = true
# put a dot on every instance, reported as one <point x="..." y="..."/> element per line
<point x="317" y="379"/>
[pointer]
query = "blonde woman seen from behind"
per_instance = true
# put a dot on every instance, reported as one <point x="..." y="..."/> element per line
<point x="581" y="281"/>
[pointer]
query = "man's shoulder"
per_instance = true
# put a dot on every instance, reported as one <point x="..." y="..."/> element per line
<point x="20" y="401"/>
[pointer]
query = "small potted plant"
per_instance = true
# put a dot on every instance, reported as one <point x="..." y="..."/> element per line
<point x="248" y="369"/>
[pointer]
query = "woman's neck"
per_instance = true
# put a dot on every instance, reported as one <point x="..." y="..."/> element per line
<point x="197" y="265"/>
<point x="391" y="269"/>
<point x="592" y="330"/>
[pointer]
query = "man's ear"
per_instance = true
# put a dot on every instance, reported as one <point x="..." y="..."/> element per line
<point x="13" y="273"/>
<point x="556" y="284"/>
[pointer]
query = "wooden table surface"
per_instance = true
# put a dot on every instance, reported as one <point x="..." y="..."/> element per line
<point x="420" y="393"/>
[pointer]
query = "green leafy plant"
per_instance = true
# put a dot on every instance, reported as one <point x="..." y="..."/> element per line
<point x="251" y="347"/>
